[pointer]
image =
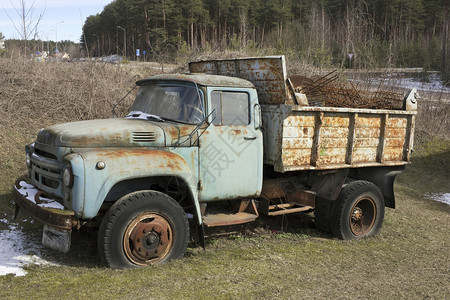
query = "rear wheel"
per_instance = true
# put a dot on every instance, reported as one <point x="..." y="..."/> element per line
<point x="143" y="228"/>
<point x="358" y="212"/>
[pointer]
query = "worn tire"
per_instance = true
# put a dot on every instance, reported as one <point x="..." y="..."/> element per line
<point x="358" y="212"/>
<point x="143" y="228"/>
<point x="322" y="213"/>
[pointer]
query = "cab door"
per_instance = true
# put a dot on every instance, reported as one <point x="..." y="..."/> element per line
<point x="231" y="149"/>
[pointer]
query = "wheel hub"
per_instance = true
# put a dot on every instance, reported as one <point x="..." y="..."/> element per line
<point x="363" y="216"/>
<point x="148" y="239"/>
<point x="357" y="214"/>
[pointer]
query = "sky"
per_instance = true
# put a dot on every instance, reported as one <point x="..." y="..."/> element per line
<point x="62" y="19"/>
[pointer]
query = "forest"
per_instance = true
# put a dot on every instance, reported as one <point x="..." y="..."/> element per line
<point x="378" y="33"/>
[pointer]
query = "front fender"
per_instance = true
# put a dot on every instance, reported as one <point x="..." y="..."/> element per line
<point x="125" y="164"/>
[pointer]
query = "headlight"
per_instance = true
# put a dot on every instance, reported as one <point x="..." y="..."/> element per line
<point x="68" y="177"/>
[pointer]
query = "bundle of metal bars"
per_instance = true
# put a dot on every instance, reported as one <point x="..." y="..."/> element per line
<point x="328" y="91"/>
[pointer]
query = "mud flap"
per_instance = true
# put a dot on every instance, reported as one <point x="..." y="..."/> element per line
<point x="56" y="239"/>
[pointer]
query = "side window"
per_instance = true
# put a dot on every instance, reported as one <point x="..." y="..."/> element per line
<point x="231" y="108"/>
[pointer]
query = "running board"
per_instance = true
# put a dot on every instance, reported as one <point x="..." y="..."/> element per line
<point x="247" y="213"/>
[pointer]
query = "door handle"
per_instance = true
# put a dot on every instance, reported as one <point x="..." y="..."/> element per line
<point x="249" y="138"/>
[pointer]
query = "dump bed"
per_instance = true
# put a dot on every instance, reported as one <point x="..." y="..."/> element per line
<point x="304" y="138"/>
<point x="314" y="138"/>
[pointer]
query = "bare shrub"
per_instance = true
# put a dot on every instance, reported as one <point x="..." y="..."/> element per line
<point x="34" y="95"/>
<point x="46" y="93"/>
<point x="433" y="115"/>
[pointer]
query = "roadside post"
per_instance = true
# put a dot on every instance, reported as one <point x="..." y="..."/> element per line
<point x="350" y="57"/>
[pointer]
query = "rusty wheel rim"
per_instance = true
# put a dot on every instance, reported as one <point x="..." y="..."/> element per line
<point x="148" y="239"/>
<point x="362" y="216"/>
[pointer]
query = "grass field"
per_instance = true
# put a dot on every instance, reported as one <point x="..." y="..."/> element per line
<point x="282" y="257"/>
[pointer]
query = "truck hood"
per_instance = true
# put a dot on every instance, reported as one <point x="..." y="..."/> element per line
<point x="114" y="133"/>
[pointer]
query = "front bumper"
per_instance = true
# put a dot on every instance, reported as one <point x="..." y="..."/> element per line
<point x="43" y="208"/>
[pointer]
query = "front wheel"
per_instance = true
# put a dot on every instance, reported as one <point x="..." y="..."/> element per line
<point x="358" y="212"/>
<point x="143" y="228"/>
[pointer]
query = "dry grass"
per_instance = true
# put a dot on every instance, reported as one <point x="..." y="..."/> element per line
<point x="34" y="95"/>
<point x="45" y="93"/>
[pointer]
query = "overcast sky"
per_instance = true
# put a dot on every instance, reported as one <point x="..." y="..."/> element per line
<point x="62" y="19"/>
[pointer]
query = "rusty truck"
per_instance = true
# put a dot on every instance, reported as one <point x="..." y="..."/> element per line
<point x="220" y="145"/>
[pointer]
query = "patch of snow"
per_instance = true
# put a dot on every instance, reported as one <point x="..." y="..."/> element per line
<point x="432" y="84"/>
<point x="15" y="248"/>
<point x="29" y="191"/>
<point x="441" y="197"/>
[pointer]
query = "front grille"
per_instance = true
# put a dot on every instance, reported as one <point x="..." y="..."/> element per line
<point x="144" y="137"/>
<point x="45" y="154"/>
<point x="46" y="171"/>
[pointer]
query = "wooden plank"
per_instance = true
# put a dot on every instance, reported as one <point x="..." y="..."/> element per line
<point x="393" y="154"/>
<point x="306" y="120"/>
<point x="336" y="120"/>
<point x="296" y="157"/>
<point x="297" y="108"/>
<point x="395" y="132"/>
<point x="394" y="142"/>
<point x="297" y="143"/>
<point x="366" y="142"/>
<point x="333" y="132"/>
<point x="398" y="122"/>
<point x="331" y="156"/>
<point x="364" y="155"/>
<point x="280" y="206"/>
<point x="289" y="211"/>
<point x="372" y="121"/>
<point x="339" y="142"/>
<point x="298" y="132"/>
<point x="367" y="132"/>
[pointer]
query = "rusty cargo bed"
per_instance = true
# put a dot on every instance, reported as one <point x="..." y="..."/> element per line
<point x="312" y="137"/>
<point x="308" y="138"/>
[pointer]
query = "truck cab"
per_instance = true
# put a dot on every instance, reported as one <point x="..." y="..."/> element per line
<point x="192" y="138"/>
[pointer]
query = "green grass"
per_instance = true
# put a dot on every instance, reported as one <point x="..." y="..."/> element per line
<point x="284" y="258"/>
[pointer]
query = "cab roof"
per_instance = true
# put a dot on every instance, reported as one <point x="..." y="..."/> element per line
<point x="201" y="79"/>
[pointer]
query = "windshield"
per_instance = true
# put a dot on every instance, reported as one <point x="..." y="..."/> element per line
<point x="169" y="101"/>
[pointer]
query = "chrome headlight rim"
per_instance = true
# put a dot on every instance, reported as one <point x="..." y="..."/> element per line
<point x="28" y="160"/>
<point x="68" y="177"/>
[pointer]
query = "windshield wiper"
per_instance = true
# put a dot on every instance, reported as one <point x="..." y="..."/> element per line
<point x="143" y="116"/>
<point x="115" y="104"/>
<point x="176" y="121"/>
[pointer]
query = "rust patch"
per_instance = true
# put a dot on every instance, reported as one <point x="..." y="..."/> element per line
<point x="96" y="140"/>
<point x="175" y="132"/>
<point x="138" y="152"/>
<point x="173" y="165"/>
